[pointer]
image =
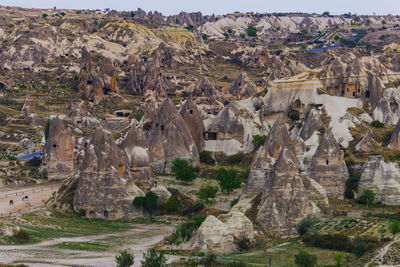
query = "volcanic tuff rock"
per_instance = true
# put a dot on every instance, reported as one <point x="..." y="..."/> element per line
<point x="328" y="167"/>
<point x="206" y="90"/>
<point x="170" y="138"/>
<point x="382" y="178"/>
<point x="90" y="84"/>
<point x="373" y="92"/>
<point x="136" y="148"/>
<point x="192" y="117"/>
<point x="58" y="154"/>
<point x="312" y="124"/>
<point x="286" y="202"/>
<point x="218" y="235"/>
<point x="105" y="188"/>
<point x="368" y="143"/>
<point x="28" y="108"/>
<point x="387" y="109"/>
<point x="242" y="87"/>
<point x="163" y="55"/>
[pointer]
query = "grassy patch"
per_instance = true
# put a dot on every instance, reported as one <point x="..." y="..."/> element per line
<point x="89" y="246"/>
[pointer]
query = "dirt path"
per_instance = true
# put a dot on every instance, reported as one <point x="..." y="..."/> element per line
<point x="37" y="194"/>
<point x="141" y="239"/>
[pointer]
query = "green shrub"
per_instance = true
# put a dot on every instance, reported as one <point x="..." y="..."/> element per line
<point x="234" y="202"/>
<point x="199" y="220"/>
<point x="198" y="206"/>
<point x="303" y="259"/>
<point x="305" y="225"/>
<point x="206" y="157"/>
<point x="209" y="259"/>
<point x="139" y="116"/>
<point x="44" y="15"/>
<point x="252" y="31"/>
<point x="173" y="204"/>
<point x="183" y="171"/>
<point x="243" y="244"/>
<point x="189" y="28"/>
<point x="235" y="158"/>
<point x="377" y="124"/>
<point x="367" y="197"/>
<point x="124" y="259"/>
<point x="351" y="186"/>
<point x="204" y="36"/>
<point x="245" y="174"/>
<point x="20" y="235"/>
<point x="78" y="12"/>
<point x="207" y="192"/>
<point x="47" y="129"/>
<point x="154" y="259"/>
<point x="338" y="257"/>
<point x="394" y="228"/>
<point x="258" y="140"/>
<point x="62" y="14"/>
<point x="228" y="180"/>
<point x="229" y="31"/>
<point x="147" y="203"/>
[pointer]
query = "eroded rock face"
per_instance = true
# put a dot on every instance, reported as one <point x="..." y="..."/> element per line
<point x="136" y="148"/>
<point x="382" y="178"/>
<point x="28" y="108"/>
<point x="105" y="188"/>
<point x="395" y="139"/>
<point x="328" y="167"/>
<point x="312" y="124"/>
<point x="170" y="138"/>
<point x="192" y="117"/>
<point x="205" y="89"/>
<point x="373" y="93"/>
<point x="367" y="143"/>
<point x="218" y="235"/>
<point x="387" y="109"/>
<point x="90" y="84"/>
<point x="58" y="154"/>
<point x="242" y="87"/>
<point x="163" y="55"/>
<point x="286" y="202"/>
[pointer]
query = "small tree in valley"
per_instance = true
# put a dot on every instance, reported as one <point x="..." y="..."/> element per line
<point x="228" y="180"/>
<point x="124" y="259"/>
<point x="183" y="171"/>
<point x="154" y="259"/>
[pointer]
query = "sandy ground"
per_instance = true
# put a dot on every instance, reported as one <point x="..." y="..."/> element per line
<point x="37" y="194"/>
<point x="141" y="239"/>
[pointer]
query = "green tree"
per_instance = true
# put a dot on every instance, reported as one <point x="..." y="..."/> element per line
<point x="258" y="140"/>
<point x="147" y="203"/>
<point x="338" y="257"/>
<point x="337" y="38"/>
<point x="228" y="180"/>
<point x="206" y="157"/>
<point x="78" y="12"/>
<point x="367" y="197"/>
<point x="326" y="13"/>
<point x="394" y="228"/>
<point x="176" y="21"/>
<point x="305" y="225"/>
<point x="62" y="14"/>
<point x="383" y="22"/>
<point x="229" y="31"/>
<point x="303" y="259"/>
<point x="47" y="129"/>
<point x="204" y="36"/>
<point x="183" y="171"/>
<point x="44" y="15"/>
<point x="252" y="31"/>
<point x="139" y="116"/>
<point x="173" y="204"/>
<point x="124" y="259"/>
<point x="154" y="259"/>
<point x="207" y="192"/>
<point x="189" y="28"/>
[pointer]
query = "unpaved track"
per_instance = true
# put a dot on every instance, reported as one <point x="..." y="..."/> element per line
<point x="46" y="256"/>
<point x="37" y="194"/>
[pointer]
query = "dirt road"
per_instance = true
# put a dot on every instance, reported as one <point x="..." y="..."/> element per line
<point x="36" y="194"/>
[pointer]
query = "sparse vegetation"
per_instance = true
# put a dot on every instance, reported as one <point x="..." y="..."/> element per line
<point x="303" y="259"/>
<point x="394" y="228"/>
<point x="367" y="197"/>
<point x="204" y="36"/>
<point x="377" y="124"/>
<point x="207" y="192"/>
<point x="252" y="31"/>
<point x="147" y="203"/>
<point x="258" y="140"/>
<point x="154" y="259"/>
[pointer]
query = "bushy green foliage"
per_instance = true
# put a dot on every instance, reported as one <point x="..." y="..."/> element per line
<point x="338" y="257"/>
<point x="305" y="225"/>
<point x="303" y="259"/>
<point x="235" y="158"/>
<point x="62" y="14"/>
<point x="206" y="157"/>
<point x="351" y="186"/>
<point x="154" y="259"/>
<point x="189" y="28"/>
<point x="304" y="31"/>
<point x="47" y="129"/>
<point x="20" y="235"/>
<point x="78" y="12"/>
<point x="44" y="15"/>
<point x="367" y="197"/>
<point x="204" y="36"/>
<point x="173" y="204"/>
<point x="209" y="259"/>
<point x="258" y="140"/>
<point x="246" y="174"/>
<point x="183" y="171"/>
<point x="229" y="31"/>
<point x="377" y="124"/>
<point x="326" y="13"/>
<point x="228" y="180"/>
<point x="252" y="31"/>
<point x="199" y="220"/>
<point x="207" y="192"/>
<point x="234" y="202"/>
<point x="147" y="203"/>
<point x="139" y="116"/>
<point x="394" y="228"/>
<point x="185" y="231"/>
<point x="124" y="259"/>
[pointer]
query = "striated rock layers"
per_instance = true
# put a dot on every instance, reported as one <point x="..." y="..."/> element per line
<point x="170" y="138"/>
<point x="192" y="117"/>
<point x="105" y="188"/>
<point x="242" y="87"/>
<point x="395" y="139"/>
<point x="58" y="154"/>
<point x="328" y="167"/>
<point x="382" y="178"/>
<point x="286" y="201"/>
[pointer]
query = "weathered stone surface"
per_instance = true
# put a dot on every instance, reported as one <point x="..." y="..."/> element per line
<point x="170" y="138"/>
<point x="373" y="93"/>
<point x="387" y="109"/>
<point x="192" y="117"/>
<point x="382" y="178"/>
<point x="218" y="235"/>
<point x="286" y="202"/>
<point x="395" y="139"/>
<point x="242" y="87"/>
<point x="105" y="188"/>
<point x="162" y="193"/>
<point x="312" y="124"/>
<point x="58" y="154"/>
<point x="163" y="55"/>
<point x="136" y="148"/>
<point x="28" y="108"/>
<point x="328" y="167"/>
<point x="278" y="138"/>
<point x="206" y="90"/>
<point x="368" y="144"/>
<point x="90" y="84"/>
<point x="26" y="146"/>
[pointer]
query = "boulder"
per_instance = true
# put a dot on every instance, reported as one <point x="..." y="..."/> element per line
<point x="286" y="202"/>
<point x="242" y="87"/>
<point x="170" y="138"/>
<point x="328" y="167"/>
<point x="58" y="155"/>
<point x="192" y="117"/>
<point x="105" y="188"/>
<point x="90" y="84"/>
<point x="381" y="177"/>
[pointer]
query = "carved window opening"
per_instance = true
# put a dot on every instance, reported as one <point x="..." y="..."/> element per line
<point x="191" y="111"/>
<point x="327" y="162"/>
<point x="105" y="214"/>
